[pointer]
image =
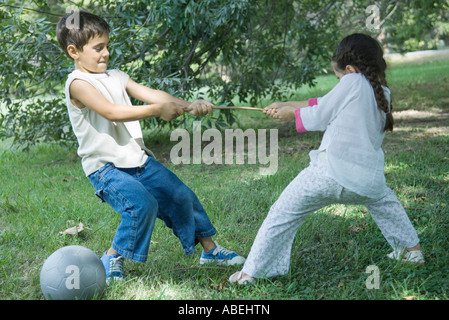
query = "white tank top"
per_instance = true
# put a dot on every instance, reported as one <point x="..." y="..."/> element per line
<point x="100" y="140"/>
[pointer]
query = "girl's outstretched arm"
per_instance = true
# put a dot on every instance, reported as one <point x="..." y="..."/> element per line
<point x="284" y="110"/>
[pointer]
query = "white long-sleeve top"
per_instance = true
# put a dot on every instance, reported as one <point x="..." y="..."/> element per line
<point x="354" y="132"/>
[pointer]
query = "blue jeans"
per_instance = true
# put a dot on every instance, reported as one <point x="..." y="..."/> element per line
<point x="142" y="194"/>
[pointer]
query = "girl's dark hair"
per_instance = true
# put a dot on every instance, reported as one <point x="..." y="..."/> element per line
<point x="365" y="53"/>
<point x="78" y="28"/>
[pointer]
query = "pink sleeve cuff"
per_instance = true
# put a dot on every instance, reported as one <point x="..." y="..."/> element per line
<point x="299" y="124"/>
<point x="313" y="102"/>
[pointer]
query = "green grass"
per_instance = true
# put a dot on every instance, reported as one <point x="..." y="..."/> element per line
<point x="44" y="191"/>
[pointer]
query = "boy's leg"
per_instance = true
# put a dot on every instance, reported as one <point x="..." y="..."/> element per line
<point x="207" y="243"/>
<point x="271" y="250"/>
<point x="137" y="207"/>
<point x="179" y="207"/>
<point x="181" y="210"/>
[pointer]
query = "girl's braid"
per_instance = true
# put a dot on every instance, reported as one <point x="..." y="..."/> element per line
<point x="376" y="77"/>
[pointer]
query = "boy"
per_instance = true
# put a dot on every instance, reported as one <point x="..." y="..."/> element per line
<point x="114" y="158"/>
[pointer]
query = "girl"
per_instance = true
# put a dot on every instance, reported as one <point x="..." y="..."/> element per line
<point x="347" y="168"/>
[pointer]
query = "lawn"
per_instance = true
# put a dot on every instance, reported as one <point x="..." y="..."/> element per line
<point x="44" y="191"/>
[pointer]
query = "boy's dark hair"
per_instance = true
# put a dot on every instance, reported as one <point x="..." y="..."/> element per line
<point x="78" y="28"/>
<point x="366" y="54"/>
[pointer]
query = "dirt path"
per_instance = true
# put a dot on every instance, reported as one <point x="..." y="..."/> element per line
<point x="418" y="55"/>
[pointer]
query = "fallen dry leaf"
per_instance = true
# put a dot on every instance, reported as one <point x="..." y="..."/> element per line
<point x="73" y="230"/>
<point x="409" y="298"/>
<point x="219" y="286"/>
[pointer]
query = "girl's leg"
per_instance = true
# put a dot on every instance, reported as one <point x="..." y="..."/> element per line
<point x="271" y="250"/>
<point x="392" y="220"/>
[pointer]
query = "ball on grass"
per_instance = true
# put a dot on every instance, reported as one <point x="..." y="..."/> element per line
<point x="72" y="273"/>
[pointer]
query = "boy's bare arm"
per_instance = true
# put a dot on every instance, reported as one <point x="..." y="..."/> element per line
<point x="151" y="96"/>
<point x="83" y="95"/>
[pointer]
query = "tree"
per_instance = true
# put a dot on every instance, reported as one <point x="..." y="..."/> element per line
<point x="221" y="49"/>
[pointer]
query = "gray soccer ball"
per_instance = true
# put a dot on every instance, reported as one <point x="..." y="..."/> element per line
<point x="72" y="273"/>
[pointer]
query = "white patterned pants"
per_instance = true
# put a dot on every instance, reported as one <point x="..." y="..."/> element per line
<point x="310" y="191"/>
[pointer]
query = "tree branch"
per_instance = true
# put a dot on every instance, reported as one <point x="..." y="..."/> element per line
<point x="31" y="9"/>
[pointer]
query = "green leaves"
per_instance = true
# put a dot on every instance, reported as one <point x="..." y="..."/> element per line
<point x="226" y="49"/>
<point x="36" y="120"/>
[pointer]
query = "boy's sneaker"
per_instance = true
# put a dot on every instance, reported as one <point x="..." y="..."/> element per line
<point x="414" y="256"/>
<point x="221" y="256"/>
<point x="113" y="264"/>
